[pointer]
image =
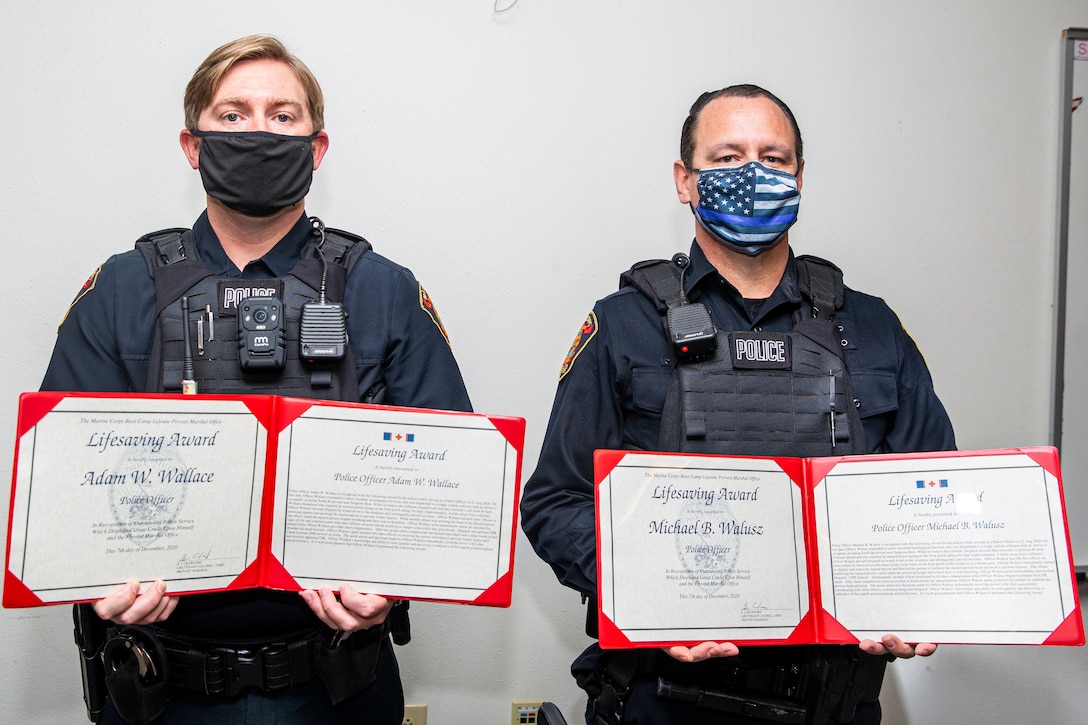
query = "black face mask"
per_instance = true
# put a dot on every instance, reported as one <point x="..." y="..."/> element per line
<point x="256" y="172"/>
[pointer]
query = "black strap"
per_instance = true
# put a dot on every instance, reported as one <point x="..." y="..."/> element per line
<point x="342" y="251"/>
<point x="171" y="249"/>
<point x="659" y="280"/>
<point x="821" y="282"/>
<point x="616" y="681"/>
<point x="174" y="245"/>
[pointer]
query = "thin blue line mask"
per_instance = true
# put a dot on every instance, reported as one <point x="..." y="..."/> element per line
<point x="747" y="208"/>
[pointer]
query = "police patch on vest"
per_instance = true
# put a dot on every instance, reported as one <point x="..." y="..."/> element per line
<point x="585" y="334"/>
<point x="87" y="287"/>
<point x="233" y="291"/>
<point x="427" y="305"/>
<point x="760" y="351"/>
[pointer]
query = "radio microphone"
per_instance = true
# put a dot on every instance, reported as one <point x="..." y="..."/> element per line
<point x="323" y="335"/>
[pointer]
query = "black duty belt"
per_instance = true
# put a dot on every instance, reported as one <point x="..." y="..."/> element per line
<point x="143" y="663"/>
<point x="227" y="669"/>
<point x="783" y="684"/>
<point x="777" y="673"/>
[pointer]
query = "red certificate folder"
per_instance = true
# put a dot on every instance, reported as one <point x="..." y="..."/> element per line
<point x="956" y="547"/>
<point x="219" y="492"/>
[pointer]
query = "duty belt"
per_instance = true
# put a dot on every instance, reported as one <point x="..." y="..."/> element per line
<point x="785" y="685"/>
<point x="226" y="669"/>
<point x="229" y="669"/>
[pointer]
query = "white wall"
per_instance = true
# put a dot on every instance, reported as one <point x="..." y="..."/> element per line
<point x="517" y="163"/>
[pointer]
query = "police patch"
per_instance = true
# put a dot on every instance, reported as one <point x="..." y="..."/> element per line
<point x="585" y="334"/>
<point x="760" y="351"/>
<point x="232" y="291"/>
<point x="427" y="306"/>
<point x="87" y="287"/>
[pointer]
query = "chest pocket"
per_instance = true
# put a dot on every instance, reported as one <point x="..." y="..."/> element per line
<point x="648" y="388"/>
<point x="642" y="421"/>
<point x="876" y="392"/>
<point x="877" y="399"/>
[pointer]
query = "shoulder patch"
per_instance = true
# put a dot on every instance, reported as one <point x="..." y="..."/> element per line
<point x="83" y="292"/>
<point x="427" y="306"/>
<point x="585" y="334"/>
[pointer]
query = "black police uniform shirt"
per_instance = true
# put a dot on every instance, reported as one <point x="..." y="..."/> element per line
<point x="104" y="345"/>
<point x="613" y="384"/>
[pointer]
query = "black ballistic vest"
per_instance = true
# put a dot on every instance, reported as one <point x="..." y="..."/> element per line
<point x="760" y="393"/>
<point x="177" y="270"/>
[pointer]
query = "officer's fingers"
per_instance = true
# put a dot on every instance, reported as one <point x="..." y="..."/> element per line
<point x="872" y="647"/>
<point x="897" y="646"/>
<point x="681" y="653"/>
<point x="144" y="607"/>
<point x="113" y="605"/>
<point x="164" y="610"/>
<point x="337" y="613"/>
<point x="924" y="649"/>
<point x="702" y="651"/>
<point x="727" y="649"/>
<point x="369" y="607"/>
<point x="313" y="601"/>
<point x="706" y="650"/>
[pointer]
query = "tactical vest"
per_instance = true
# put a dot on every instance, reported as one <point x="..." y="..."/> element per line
<point x="213" y="303"/>
<point x="759" y="393"/>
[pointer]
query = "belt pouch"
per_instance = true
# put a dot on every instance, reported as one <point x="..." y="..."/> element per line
<point x="351" y="667"/>
<point x="135" y="701"/>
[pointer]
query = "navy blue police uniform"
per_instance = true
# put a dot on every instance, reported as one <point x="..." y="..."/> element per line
<point x="105" y="344"/>
<point x="611" y="393"/>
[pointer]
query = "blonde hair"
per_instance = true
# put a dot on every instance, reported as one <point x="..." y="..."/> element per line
<point x="205" y="81"/>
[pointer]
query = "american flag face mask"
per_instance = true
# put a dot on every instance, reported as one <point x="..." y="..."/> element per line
<point x="748" y="208"/>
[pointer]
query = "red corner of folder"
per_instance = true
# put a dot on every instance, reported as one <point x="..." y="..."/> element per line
<point x="17" y="594"/>
<point x="33" y="407"/>
<point x="1069" y="632"/>
<point x="604" y="461"/>
<point x="499" y="593"/>
<point x="832" y="631"/>
<point x="513" y="429"/>
<point x="609" y="634"/>
<point x="1046" y="457"/>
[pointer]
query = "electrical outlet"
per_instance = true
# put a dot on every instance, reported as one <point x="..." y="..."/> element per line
<point x="524" y="712"/>
<point x="415" y="715"/>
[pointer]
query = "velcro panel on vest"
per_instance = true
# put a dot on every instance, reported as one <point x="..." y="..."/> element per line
<point x="216" y="362"/>
<point x="716" y="407"/>
<point x="177" y="270"/>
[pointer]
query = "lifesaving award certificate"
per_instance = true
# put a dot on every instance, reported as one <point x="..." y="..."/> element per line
<point x="954" y="547"/>
<point x="233" y="492"/>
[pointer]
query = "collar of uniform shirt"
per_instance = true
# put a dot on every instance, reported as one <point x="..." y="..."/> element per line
<point x="701" y="269"/>
<point x="278" y="262"/>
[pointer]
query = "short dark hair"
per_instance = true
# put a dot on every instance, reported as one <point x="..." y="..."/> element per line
<point x="745" y="90"/>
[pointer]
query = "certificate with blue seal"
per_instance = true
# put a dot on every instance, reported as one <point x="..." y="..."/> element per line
<point x="968" y="547"/>
<point x="219" y="492"/>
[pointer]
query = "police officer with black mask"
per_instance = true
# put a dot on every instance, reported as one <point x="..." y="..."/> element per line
<point x="654" y="349"/>
<point x="254" y="129"/>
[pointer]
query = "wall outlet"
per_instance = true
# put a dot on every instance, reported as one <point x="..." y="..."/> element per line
<point x="524" y="712"/>
<point x="415" y="715"/>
